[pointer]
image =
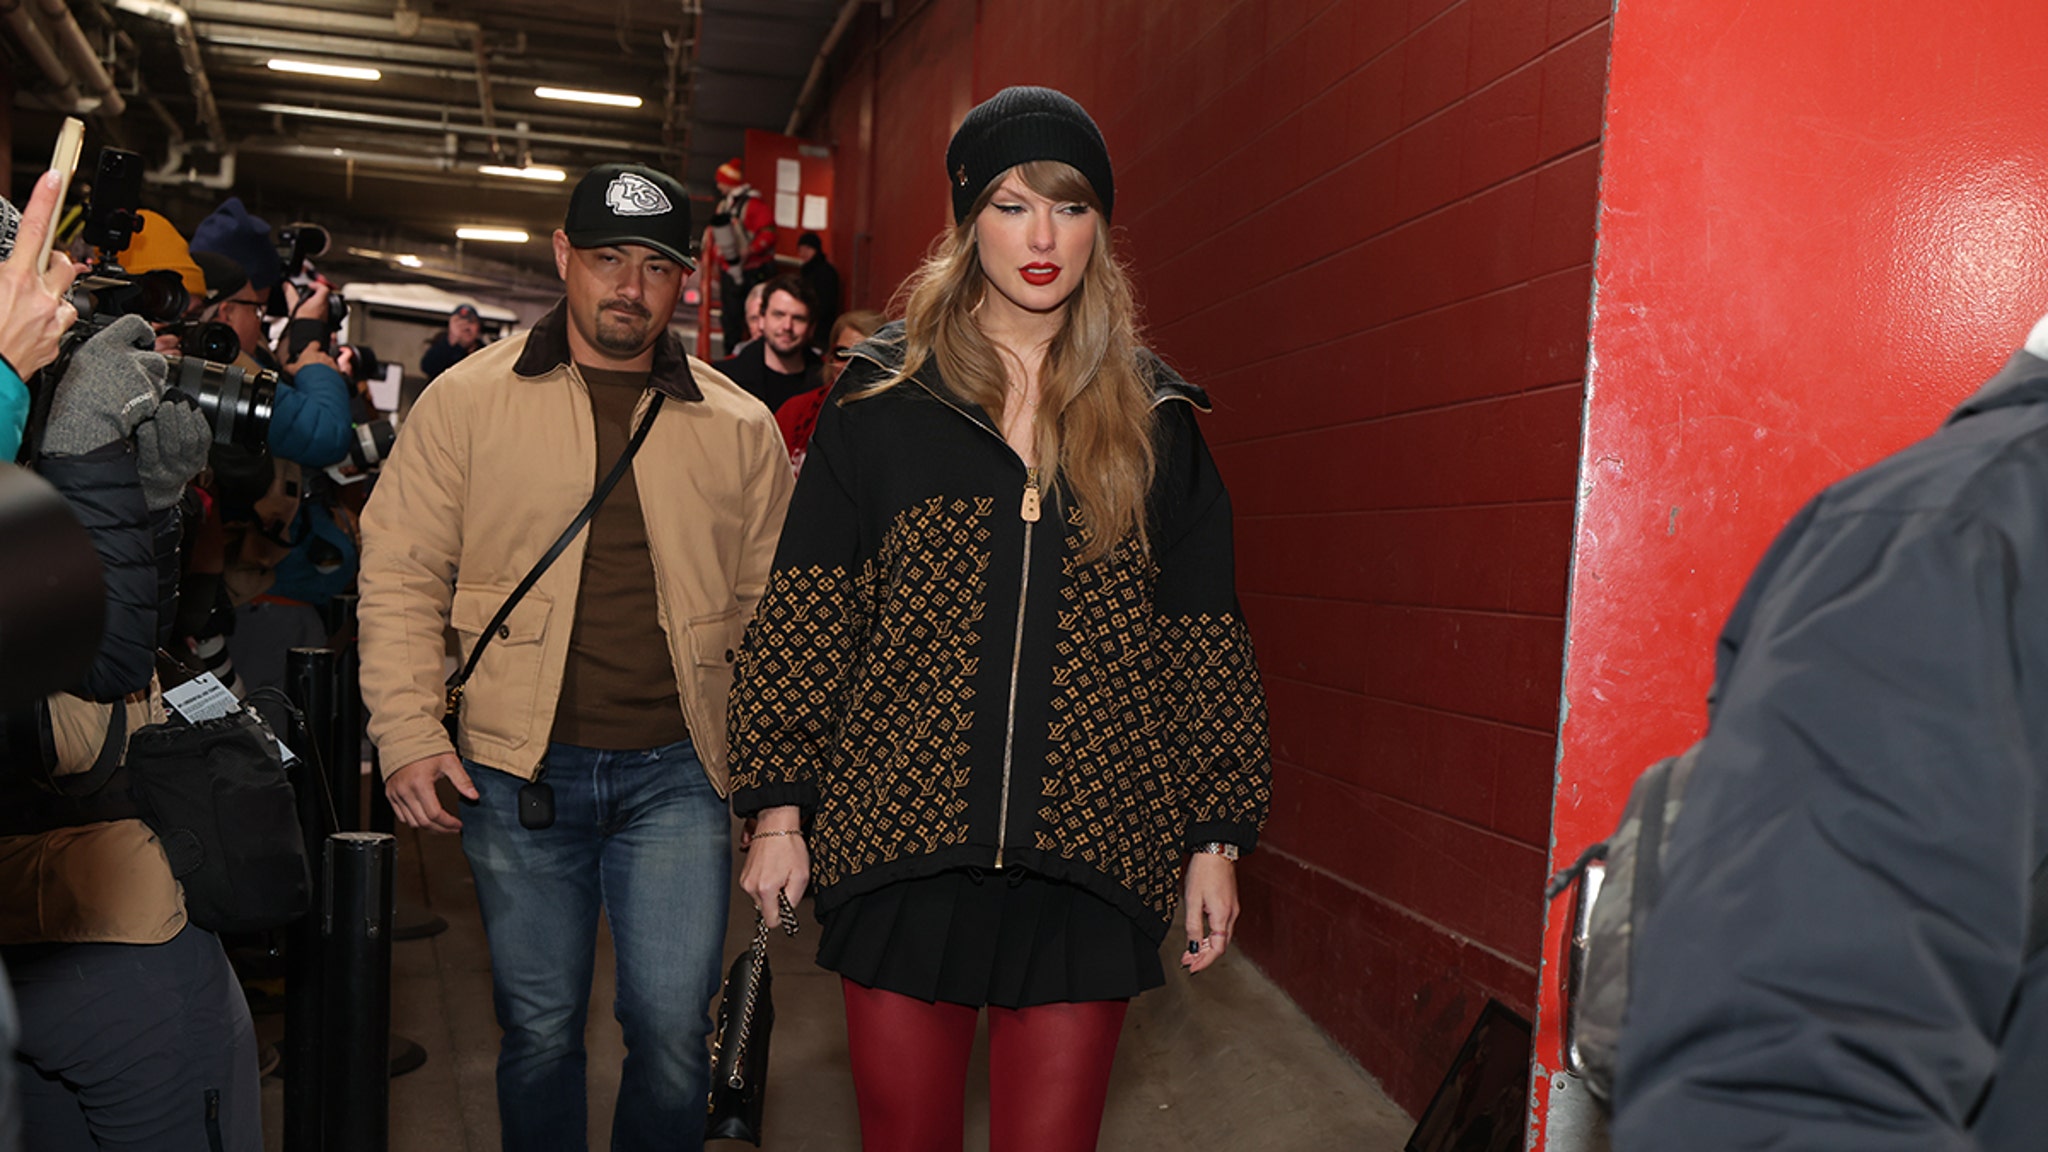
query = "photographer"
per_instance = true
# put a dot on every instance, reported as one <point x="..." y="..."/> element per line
<point x="309" y="423"/>
<point x="465" y="334"/>
<point x="134" y="1031"/>
<point x="34" y="314"/>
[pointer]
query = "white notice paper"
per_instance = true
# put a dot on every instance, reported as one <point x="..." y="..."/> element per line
<point x="201" y="698"/>
<point x="204" y="698"/>
<point x="788" y="174"/>
<point x="816" y="212"/>
<point x="785" y="209"/>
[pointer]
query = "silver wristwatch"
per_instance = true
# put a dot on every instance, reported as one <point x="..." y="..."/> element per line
<point x="1218" y="848"/>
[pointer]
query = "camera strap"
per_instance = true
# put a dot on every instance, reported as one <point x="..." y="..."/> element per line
<point x="597" y="498"/>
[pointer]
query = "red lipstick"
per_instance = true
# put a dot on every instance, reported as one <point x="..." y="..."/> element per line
<point x="1039" y="275"/>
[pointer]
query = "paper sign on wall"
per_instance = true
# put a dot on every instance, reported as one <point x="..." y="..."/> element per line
<point x="785" y="209"/>
<point x="788" y="175"/>
<point x="816" y="213"/>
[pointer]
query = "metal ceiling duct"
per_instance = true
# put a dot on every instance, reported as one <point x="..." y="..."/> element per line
<point x="180" y="25"/>
<point x="80" y="56"/>
<point x="29" y="35"/>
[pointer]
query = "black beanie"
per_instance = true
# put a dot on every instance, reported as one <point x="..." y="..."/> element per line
<point x="1019" y="125"/>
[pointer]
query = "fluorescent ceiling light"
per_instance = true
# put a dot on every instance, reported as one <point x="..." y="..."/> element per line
<point x="579" y="96"/>
<point x="530" y="172"/>
<point x="338" y="71"/>
<point x="411" y="261"/>
<point x="503" y="235"/>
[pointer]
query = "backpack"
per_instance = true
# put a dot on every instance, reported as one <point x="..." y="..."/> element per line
<point x="216" y="795"/>
<point x="1616" y="883"/>
<point x="1616" y="886"/>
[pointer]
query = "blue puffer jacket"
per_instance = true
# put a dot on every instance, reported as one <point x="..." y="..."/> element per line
<point x="310" y="421"/>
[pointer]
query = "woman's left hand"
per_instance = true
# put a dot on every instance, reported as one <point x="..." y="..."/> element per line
<point x="1211" y="906"/>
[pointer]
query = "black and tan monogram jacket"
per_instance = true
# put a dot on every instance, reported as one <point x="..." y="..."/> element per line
<point x="938" y="682"/>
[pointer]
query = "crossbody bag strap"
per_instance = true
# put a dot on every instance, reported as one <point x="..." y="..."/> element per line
<point x="604" y="489"/>
<point x="83" y="784"/>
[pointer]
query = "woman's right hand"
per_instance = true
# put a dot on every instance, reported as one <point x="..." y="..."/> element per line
<point x="33" y="311"/>
<point x="778" y="860"/>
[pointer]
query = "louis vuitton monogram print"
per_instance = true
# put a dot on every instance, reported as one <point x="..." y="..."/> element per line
<point x="1110" y="800"/>
<point x="898" y="773"/>
<point x="801" y="643"/>
<point x="1117" y="781"/>
<point x="1217" y="719"/>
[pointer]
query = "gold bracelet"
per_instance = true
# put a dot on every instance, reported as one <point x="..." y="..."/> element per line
<point x="788" y="832"/>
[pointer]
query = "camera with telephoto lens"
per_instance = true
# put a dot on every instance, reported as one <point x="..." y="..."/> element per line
<point x="297" y="247"/>
<point x="210" y="340"/>
<point x="236" y="401"/>
<point x="368" y="446"/>
<point x="107" y="292"/>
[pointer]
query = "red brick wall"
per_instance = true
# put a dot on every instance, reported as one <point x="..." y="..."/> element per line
<point x="1366" y="226"/>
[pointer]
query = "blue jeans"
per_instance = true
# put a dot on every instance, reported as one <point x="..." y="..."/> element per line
<point x="643" y="836"/>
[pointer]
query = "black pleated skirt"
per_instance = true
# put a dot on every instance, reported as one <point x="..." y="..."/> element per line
<point x="1005" y="939"/>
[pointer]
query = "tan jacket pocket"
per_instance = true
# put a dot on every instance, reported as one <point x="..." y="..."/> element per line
<point x="714" y="648"/>
<point x="499" y="702"/>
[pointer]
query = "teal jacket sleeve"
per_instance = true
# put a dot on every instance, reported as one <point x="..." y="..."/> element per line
<point x="310" y="422"/>
<point x="13" y="411"/>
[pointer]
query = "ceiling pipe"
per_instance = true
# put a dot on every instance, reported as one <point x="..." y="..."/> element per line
<point x="439" y="164"/>
<point x="483" y="97"/>
<point x="342" y="47"/>
<point x="582" y="67"/>
<point x="818" y="63"/>
<point x="29" y="35"/>
<point x="180" y="25"/>
<point x="79" y="54"/>
<point x="437" y="128"/>
<point x="326" y="20"/>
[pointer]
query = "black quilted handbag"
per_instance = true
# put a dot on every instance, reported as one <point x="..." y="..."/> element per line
<point x="739" y="1052"/>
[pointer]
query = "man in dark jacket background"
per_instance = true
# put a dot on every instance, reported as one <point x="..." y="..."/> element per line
<point x="781" y="365"/>
<point x="1841" y="958"/>
<point x="465" y="334"/>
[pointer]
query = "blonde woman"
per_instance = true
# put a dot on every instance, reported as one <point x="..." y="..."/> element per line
<point x="998" y="710"/>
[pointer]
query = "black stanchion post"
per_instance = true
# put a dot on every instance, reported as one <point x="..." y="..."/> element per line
<point x="357" y="926"/>
<point x="345" y="764"/>
<point x="309" y="681"/>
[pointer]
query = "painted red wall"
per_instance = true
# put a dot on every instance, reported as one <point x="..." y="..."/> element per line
<point x="1367" y="227"/>
<point x="1821" y="226"/>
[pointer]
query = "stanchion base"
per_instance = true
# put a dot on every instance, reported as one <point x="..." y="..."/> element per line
<point x="268" y="1061"/>
<point x="410" y="922"/>
<point x="406" y="1056"/>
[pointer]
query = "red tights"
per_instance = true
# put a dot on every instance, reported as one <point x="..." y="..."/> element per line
<point x="1048" y="1072"/>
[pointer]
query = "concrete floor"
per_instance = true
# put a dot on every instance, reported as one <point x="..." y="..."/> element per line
<point x="1224" y="1061"/>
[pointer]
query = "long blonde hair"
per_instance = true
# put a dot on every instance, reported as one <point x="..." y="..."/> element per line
<point x="1093" y="427"/>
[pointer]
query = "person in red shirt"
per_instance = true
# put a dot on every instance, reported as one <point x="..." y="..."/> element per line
<point x="742" y="233"/>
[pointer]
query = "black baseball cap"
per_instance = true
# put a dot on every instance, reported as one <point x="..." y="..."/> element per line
<point x="631" y="204"/>
<point x="466" y="311"/>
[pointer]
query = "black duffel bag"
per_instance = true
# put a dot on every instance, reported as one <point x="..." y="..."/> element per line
<point x="216" y="796"/>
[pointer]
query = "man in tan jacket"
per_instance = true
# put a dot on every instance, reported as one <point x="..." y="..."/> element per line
<point x="606" y="685"/>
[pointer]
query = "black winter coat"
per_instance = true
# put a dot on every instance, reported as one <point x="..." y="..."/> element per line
<point x="940" y="683"/>
<point x="138" y="555"/>
<point x="1838" y="958"/>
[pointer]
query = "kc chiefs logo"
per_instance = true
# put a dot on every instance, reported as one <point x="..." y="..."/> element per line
<point x="632" y="195"/>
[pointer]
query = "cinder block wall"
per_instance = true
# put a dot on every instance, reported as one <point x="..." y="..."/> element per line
<point x="1367" y="227"/>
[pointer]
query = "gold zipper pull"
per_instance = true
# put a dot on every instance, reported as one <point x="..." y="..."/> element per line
<point x="1030" y="509"/>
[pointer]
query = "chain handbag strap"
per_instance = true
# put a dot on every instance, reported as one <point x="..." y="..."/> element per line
<point x="738" y="1079"/>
